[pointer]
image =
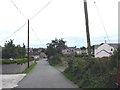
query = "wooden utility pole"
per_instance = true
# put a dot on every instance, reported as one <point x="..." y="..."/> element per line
<point x="28" y="44"/>
<point x="87" y="27"/>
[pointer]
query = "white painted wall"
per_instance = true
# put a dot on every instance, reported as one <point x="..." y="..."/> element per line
<point x="73" y="51"/>
<point x="106" y="47"/>
<point x="102" y="54"/>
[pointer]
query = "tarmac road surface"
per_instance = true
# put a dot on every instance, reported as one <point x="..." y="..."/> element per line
<point x="45" y="76"/>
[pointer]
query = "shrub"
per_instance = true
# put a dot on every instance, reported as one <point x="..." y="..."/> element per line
<point x="82" y="55"/>
<point x="90" y="72"/>
<point x="18" y="61"/>
<point x="55" y="60"/>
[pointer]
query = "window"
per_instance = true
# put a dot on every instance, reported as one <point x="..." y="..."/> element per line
<point x="111" y="49"/>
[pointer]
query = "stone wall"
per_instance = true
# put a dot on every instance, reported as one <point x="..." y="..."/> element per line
<point x="14" y="68"/>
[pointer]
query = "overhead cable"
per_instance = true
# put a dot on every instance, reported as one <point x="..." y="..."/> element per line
<point x="18" y="9"/>
<point x="13" y="33"/>
<point x="41" y="10"/>
<point x="102" y="22"/>
<point x="36" y="35"/>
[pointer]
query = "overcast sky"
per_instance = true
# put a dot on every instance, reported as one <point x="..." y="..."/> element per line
<point x="60" y="19"/>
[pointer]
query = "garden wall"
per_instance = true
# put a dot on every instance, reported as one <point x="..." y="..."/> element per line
<point x="14" y="68"/>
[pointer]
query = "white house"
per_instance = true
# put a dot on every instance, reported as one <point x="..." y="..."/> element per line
<point x="104" y="50"/>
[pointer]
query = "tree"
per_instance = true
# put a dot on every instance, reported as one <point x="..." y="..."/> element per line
<point x="12" y="51"/>
<point x="9" y="50"/>
<point x="83" y="48"/>
<point x="43" y="50"/>
<point x="55" y="47"/>
<point x="23" y="50"/>
<point x="20" y="51"/>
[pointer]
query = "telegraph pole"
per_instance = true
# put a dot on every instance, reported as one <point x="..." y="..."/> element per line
<point x="87" y="27"/>
<point x="28" y="44"/>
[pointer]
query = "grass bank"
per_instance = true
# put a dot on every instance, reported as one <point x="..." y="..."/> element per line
<point x="27" y="70"/>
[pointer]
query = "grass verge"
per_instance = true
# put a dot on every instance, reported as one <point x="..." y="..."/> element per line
<point x="27" y="70"/>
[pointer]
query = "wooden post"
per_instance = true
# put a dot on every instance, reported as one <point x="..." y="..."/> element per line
<point x="28" y="44"/>
<point x="87" y="27"/>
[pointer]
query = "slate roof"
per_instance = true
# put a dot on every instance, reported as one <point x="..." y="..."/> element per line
<point x="115" y="45"/>
<point x="104" y="51"/>
<point x="96" y="46"/>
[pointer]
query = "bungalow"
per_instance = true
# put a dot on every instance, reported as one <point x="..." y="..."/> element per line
<point x="104" y="50"/>
<point x="69" y="51"/>
<point x="74" y="50"/>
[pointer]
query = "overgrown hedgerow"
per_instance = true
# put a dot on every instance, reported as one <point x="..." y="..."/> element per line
<point x="55" y="60"/>
<point x="92" y="73"/>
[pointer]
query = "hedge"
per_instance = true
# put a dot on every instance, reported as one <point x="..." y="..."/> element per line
<point x="18" y="61"/>
<point x="92" y="72"/>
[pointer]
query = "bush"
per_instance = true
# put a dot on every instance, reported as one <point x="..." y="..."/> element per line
<point x="91" y="72"/>
<point x="82" y="55"/>
<point x="7" y="61"/>
<point x="18" y="61"/>
<point x="55" y="60"/>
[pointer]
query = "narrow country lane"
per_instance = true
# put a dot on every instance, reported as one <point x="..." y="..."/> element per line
<point x="45" y="76"/>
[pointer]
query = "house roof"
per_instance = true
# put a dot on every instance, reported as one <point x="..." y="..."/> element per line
<point x="115" y="45"/>
<point x="96" y="46"/>
<point x="104" y="51"/>
<point x="71" y="48"/>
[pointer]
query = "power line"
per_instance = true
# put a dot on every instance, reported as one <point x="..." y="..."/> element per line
<point x="13" y="33"/>
<point x="102" y="22"/>
<point x="41" y="10"/>
<point x="36" y="35"/>
<point x="35" y="14"/>
<point x="18" y="9"/>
